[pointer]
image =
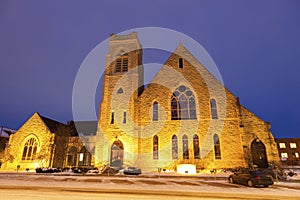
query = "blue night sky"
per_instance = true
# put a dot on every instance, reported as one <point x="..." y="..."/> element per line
<point x="255" y="44"/>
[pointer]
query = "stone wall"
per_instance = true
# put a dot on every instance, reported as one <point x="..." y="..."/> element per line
<point x="133" y="123"/>
<point x="32" y="128"/>
<point x="236" y="126"/>
<point x="120" y="102"/>
<point x="255" y="128"/>
<point x="226" y="126"/>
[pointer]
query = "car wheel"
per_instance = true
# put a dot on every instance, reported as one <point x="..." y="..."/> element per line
<point x="265" y="186"/>
<point x="231" y="180"/>
<point x="250" y="183"/>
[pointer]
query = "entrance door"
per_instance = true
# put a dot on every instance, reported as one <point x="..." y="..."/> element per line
<point x="117" y="154"/>
<point x="259" y="155"/>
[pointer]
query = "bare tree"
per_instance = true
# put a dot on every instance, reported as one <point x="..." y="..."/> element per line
<point x="42" y="158"/>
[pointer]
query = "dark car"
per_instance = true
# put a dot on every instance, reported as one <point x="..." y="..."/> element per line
<point x="47" y="170"/>
<point x="132" y="171"/>
<point x="252" y="178"/>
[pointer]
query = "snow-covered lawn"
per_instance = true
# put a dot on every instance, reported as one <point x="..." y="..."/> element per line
<point x="162" y="183"/>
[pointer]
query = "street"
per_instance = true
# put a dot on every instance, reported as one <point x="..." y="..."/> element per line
<point x="51" y="193"/>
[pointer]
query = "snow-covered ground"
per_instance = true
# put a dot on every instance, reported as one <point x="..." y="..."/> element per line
<point x="205" y="184"/>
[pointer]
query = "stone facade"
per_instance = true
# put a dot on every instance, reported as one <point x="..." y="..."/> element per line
<point x="34" y="128"/>
<point x="184" y="116"/>
<point x="240" y="132"/>
<point x="43" y="142"/>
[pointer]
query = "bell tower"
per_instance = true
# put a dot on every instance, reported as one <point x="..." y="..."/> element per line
<point x="122" y="85"/>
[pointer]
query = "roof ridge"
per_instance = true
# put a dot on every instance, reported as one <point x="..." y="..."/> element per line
<point x="51" y="123"/>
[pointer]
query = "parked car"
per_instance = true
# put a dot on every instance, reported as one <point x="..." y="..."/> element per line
<point x="132" y="171"/>
<point x="275" y="173"/>
<point x="252" y="178"/>
<point x="93" y="171"/>
<point x="107" y="170"/>
<point x="47" y="170"/>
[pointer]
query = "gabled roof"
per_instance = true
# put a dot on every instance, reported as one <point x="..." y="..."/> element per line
<point x="83" y="128"/>
<point x="51" y="124"/>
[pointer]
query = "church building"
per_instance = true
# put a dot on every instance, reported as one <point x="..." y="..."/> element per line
<point x="183" y="116"/>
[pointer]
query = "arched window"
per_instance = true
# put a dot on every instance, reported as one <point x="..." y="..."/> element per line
<point x="183" y="104"/>
<point x="84" y="157"/>
<point x="155" y="111"/>
<point x="155" y="147"/>
<point x="72" y="157"/>
<point x="30" y="149"/>
<point x="185" y="147"/>
<point x="213" y="107"/>
<point x="196" y="147"/>
<point x="174" y="147"/>
<point x="122" y="63"/>
<point x="124" y="117"/>
<point x="217" y="147"/>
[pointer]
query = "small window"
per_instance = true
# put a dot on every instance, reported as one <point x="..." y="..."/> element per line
<point x="155" y="147"/>
<point x="282" y="145"/>
<point x="120" y="91"/>
<point x="174" y="147"/>
<point x="296" y="155"/>
<point x="155" y="111"/>
<point x="196" y="147"/>
<point x="284" y="155"/>
<point x="118" y="65"/>
<point x="185" y="147"/>
<point x="180" y="63"/>
<point x="125" y="65"/>
<point x="124" y="118"/>
<point x="122" y="64"/>
<point x="112" y="118"/>
<point x="217" y="147"/>
<point x="293" y="145"/>
<point x="213" y="106"/>
<point x="84" y="157"/>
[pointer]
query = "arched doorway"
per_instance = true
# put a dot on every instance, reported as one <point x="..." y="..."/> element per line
<point x="259" y="155"/>
<point x="117" y="154"/>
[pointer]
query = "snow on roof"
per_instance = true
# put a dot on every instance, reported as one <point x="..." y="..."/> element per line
<point x="6" y="132"/>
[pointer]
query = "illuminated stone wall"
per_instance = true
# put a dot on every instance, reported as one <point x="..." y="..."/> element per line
<point x="35" y="128"/>
<point x="123" y="93"/>
<point x="49" y="150"/>
<point x="255" y="128"/>
<point x="79" y="143"/>
<point x="120" y="102"/>
<point x="204" y="126"/>
<point x="236" y="126"/>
